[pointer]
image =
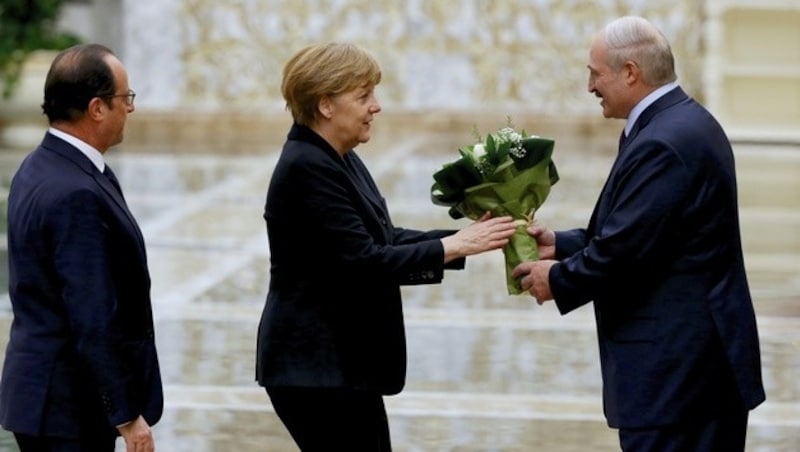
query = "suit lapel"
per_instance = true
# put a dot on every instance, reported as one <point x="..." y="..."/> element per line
<point x="365" y="184"/>
<point x="369" y="194"/>
<point x="356" y="173"/>
<point x="667" y="100"/>
<point x="116" y="195"/>
<point x="662" y="103"/>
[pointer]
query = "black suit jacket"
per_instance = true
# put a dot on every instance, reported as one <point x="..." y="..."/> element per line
<point x="333" y="315"/>
<point x="81" y="351"/>
<point x="662" y="260"/>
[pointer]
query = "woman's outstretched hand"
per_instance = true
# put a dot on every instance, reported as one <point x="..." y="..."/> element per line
<point x="485" y="234"/>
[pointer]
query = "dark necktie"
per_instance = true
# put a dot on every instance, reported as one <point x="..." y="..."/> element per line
<point x="111" y="177"/>
<point x="622" y="138"/>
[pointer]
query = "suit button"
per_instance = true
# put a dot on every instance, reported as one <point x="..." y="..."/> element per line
<point x="107" y="404"/>
<point x="383" y="221"/>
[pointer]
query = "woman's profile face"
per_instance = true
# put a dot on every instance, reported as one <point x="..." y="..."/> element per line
<point x="350" y="115"/>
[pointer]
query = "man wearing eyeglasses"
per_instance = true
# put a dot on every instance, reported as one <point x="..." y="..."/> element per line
<point x="81" y="366"/>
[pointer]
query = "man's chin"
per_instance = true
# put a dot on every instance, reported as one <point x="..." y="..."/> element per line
<point x="609" y="114"/>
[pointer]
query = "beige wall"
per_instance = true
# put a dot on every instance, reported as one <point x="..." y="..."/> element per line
<point x="753" y="68"/>
<point x="527" y="55"/>
<point x="447" y="64"/>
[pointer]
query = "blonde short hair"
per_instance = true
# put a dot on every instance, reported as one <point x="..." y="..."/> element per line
<point x="323" y="70"/>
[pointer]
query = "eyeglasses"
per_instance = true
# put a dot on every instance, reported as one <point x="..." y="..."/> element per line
<point x="130" y="96"/>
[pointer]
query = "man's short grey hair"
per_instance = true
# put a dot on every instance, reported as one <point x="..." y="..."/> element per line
<point x="632" y="38"/>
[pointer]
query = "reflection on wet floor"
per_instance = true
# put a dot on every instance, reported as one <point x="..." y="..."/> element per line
<point x="487" y="372"/>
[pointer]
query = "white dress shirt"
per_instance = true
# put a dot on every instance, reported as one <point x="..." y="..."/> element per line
<point x="646" y="102"/>
<point x="91" y="153"/>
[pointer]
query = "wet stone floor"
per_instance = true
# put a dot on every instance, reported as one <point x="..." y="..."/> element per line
<point x="487" y="372"/>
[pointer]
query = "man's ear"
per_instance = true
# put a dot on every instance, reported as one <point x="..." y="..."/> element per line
<point x="97" y="109"/>
<point x="325" y="107"/>
<point x="632" y="72"/>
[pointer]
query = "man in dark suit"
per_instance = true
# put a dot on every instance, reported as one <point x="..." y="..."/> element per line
<point x="662" y="260"/>
<point x="81" y="365"/>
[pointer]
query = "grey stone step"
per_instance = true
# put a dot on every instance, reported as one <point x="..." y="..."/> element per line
<point x="770" y="189"/>
<point x="771" y="231"/>
<point x="533" y="351"/>
<point x="768" y="176"/>
<point x="242" y="420"/>
<point x="418" y="421"/>
<point x="765" y="154"/>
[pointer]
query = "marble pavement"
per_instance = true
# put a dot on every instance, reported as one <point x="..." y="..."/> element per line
<point x="487" y="372"/>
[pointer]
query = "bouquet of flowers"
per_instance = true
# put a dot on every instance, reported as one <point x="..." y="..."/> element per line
<point x="508" y="173"/>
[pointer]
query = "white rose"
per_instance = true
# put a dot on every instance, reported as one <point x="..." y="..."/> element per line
<point x="478" y="151"/>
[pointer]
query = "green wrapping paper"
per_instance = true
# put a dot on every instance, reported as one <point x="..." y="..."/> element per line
<point x="505" y="176"/>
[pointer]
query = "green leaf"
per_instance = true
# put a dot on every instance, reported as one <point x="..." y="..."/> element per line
<point x="502" y="152"/>
<point x="551" y="169"/>
<point x="490" y="144"/>
<point x="453" y="179"/>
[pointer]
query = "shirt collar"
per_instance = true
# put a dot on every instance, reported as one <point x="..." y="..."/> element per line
<point x="86" y="149"/>
<point x="646" y="102"/>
